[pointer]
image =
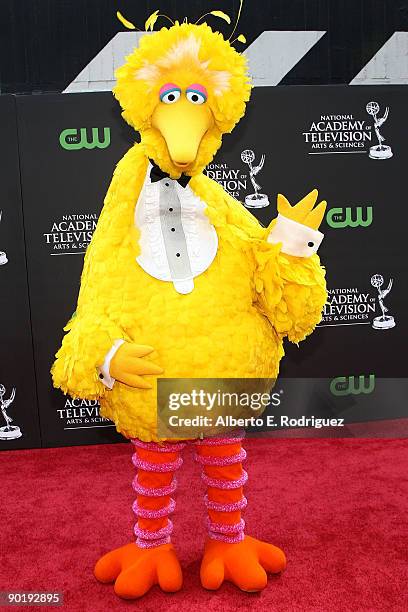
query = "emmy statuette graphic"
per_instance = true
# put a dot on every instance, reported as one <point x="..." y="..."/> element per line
<point x="379" y="151"/>
<point x="384" y="321"/>
<point x="3" y="256"/>
<point x="256" y="199"/>
<point x="9" y="432"/>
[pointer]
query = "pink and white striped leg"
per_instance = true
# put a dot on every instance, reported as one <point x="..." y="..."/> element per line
<point x="224" y="476"/>
<point x="155" y="482"/>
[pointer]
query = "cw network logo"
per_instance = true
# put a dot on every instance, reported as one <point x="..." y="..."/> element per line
<point x="360" y="216"/>
<point x="353" y="385"/>
<point x="73" y="139"/>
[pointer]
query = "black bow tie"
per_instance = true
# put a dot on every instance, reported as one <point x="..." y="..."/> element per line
<point x="157" y="174"/>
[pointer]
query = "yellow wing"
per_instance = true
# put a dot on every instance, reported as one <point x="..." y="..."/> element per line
<point x="304" y="211"/>
<point x="291" y="290"/>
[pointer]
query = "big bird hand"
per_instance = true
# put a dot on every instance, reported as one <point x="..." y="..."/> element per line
<point x="303" y="212"/>
<point x="128" y="365"/>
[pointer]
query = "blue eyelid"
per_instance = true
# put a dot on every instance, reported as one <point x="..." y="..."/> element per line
<point x="169" y="91"/>
<point x="200" y="93"/>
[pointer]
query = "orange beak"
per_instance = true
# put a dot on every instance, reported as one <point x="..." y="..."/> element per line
<point x="182" y="125"/>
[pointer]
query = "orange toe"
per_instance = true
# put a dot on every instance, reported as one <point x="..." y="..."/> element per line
<point x="212" y="572"/>
<point x="108" y="567"/>
<point x="244" y="564"/>
<point x="135" y="570"/>
<point x="271" y="557"/>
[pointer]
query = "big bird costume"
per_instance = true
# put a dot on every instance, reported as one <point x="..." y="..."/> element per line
<point x="179" y="272"/>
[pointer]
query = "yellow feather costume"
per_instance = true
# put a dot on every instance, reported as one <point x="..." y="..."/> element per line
<point x="242" y="307"/>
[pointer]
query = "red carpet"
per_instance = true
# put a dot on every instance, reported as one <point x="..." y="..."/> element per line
<point x="337" y="507"/>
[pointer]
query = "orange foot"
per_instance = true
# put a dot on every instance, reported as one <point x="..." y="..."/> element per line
<point x="243" y="564"/>
<point x="135" y="570"/>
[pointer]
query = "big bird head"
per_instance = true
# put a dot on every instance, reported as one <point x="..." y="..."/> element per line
<point x="182" y="88"/>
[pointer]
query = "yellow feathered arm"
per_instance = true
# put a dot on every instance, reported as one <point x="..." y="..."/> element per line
<point x="91" y="331"/>
<point x="291" y="291"/>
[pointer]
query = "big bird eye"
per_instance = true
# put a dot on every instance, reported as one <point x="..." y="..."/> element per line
<point x="170" y="96"/>
<point x="195" y="96"/>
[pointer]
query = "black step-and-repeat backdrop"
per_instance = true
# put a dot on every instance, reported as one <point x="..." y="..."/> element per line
<point x="69" y="145"/>
<point x="58" y="155"/>
<point x="19" y="419"/>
